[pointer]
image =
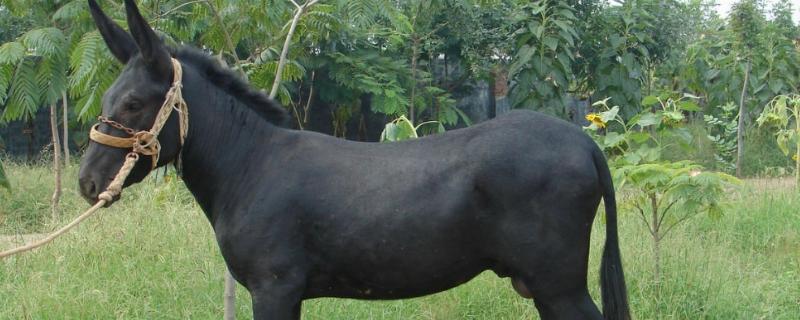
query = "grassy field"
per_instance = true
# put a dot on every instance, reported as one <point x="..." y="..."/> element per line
<point x="153" y="256"/>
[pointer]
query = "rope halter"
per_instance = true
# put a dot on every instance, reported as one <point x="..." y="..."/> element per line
<point x="146" y="142"/>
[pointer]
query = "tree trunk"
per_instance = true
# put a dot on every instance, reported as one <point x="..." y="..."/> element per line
<point x="740" y="130"/>
<point x="64" y="103"/>
<point x="656" y="233"/>
<point x="56" y="161"/>
<point x="657" y="258"/>
<point x="414" y="53"/>
<point x="230" y="297"/>
<point x="29" y="131"/>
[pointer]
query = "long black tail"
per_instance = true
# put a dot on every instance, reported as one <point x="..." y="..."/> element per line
<point x="612" y="279"/>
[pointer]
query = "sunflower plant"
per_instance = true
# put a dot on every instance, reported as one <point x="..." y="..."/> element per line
<point x="663" y="194"/>
<point x="783" y="114"/>
<point x="641" y="138"/>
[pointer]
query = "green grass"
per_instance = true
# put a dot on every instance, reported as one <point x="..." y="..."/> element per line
<point x="153" y="256"/>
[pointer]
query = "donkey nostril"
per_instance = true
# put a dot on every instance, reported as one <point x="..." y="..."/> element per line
<point x="88" y="188"/>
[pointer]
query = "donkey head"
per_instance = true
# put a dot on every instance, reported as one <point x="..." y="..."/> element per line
<point x="133" y="100"/>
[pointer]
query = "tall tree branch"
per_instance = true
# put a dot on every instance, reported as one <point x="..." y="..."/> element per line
<point x="285" y="51"/>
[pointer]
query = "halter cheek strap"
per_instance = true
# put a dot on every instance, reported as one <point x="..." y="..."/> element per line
<point x="146" y="142"/>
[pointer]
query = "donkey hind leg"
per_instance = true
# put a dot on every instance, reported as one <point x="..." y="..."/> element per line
<point x="275" y="305"/>
<point x="278" y="299"/>
<point x="559" y="288"/>
<point x="576" y="305"/>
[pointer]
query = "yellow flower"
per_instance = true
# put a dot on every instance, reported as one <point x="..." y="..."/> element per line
<point x="794" y="157"/>
<point x="596" y="119"/>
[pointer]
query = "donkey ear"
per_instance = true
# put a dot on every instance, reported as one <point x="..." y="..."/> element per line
<point x="117" y="39"/>
<point x="153" y="51"/>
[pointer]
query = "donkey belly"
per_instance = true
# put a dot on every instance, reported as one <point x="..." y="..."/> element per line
<point x="397" y="256"/>
<point x="393" y="282"/>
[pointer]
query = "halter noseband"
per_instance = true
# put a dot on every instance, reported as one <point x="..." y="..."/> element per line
<point x="146" y="142"/>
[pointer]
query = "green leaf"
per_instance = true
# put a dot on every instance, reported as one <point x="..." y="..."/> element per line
<point x="551" y="43"/>
<point x="639" y="137"/>
<point x="632" y="158"/>
<point x="784" y="138"/>
<point x="70" y="11"/>
<point x="672" y="116"/>
<point x="389" y="132"/>
<point x="464" y="117"/>
<point x="6" y="74"/>
<point x="609" y="115"/>
<point x="649" y="100"/>
<point x="46" y="42"/>
<point x="648" y="119"/>
<point x="25" y="94"/>
<point x="612" y="140"/>
<point x="398" y="130"/>
<point x="776" y="86"/>
<point x="688" y="105"/>
<point x="11" y="52"/>
<point x="616" y="41"/>
<point x="522" y="58"/>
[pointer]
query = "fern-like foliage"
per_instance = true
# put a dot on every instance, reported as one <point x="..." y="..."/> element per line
<point x="25" y="95"/>
<point x="370" y="73"/>
<point x="33" y="70"/>
<point x="6" y="74"/>
<point x="70" y="11"/>
<point x="45" y="42"/>
<point x="11" y="53"/>
<point x="83" y="62"/>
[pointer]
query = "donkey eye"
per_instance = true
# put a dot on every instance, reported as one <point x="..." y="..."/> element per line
<point x="133" y="106"/>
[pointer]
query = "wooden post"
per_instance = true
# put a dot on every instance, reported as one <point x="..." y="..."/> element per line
<point x="56" y="161"/>
<point x="65" y="121"/>
<point x="230" y="297"/>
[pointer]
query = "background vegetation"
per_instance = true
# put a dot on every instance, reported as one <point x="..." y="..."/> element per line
<point x="415" y="58"/>
<point x="674" y="92"/>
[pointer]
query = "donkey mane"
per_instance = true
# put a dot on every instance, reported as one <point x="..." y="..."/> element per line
<point x="230" y="82"/>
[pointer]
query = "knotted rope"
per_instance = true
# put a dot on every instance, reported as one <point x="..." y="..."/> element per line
<point x="142" y="142"/>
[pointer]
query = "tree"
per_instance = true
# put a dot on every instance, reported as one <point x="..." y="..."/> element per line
<point x="746" y="21"/>
<point x="542" y="63"/>
<point x="35" y="69"/>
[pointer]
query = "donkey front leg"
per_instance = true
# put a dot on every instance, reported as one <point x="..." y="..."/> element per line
<point x="278" y="297"/>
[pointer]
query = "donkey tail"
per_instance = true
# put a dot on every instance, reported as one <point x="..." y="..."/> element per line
<point x="612" y="280"/>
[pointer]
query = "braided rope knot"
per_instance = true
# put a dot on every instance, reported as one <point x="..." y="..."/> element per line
<point x="145" y="143"/>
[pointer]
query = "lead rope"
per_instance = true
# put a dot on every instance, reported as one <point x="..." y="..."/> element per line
<point x="173" y="101"/>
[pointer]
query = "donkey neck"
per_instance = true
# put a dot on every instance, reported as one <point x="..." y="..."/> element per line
<point x="227" y="141"/>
